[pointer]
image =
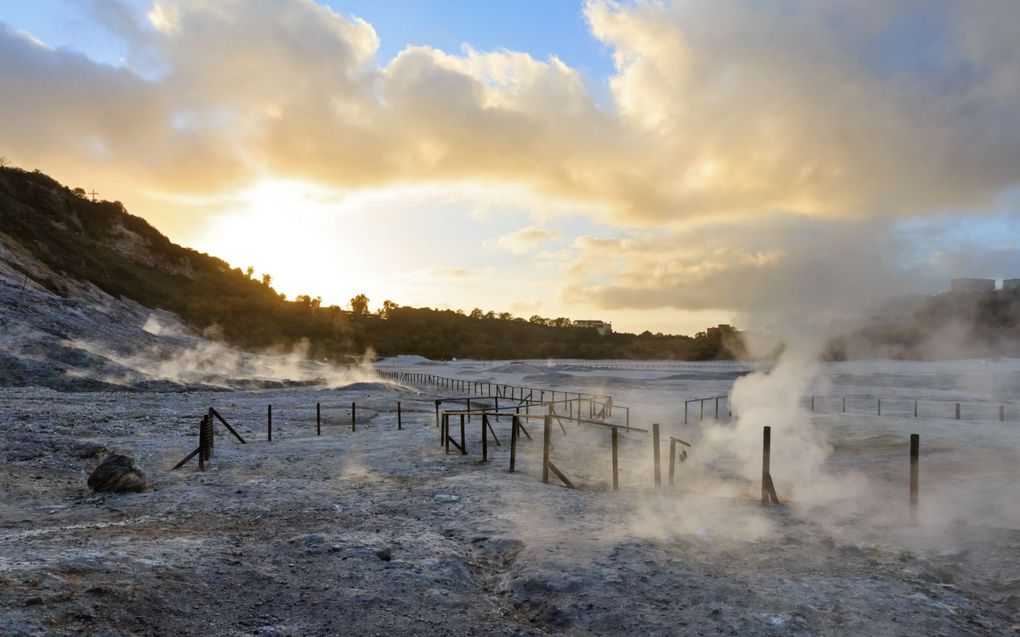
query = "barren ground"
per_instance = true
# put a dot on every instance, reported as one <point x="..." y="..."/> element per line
<point x="379" y="532"/>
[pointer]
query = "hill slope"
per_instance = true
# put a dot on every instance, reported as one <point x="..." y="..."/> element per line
<point x="54" y="239"/>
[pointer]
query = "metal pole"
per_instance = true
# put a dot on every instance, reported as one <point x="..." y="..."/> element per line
<point x="400" y="424"/>
<point x="318" y="419"/>
<point x="766" y="451"/>
<point x="463" y="441"/>
<point x="354" y="418"/>
<point x="269" y="424"/>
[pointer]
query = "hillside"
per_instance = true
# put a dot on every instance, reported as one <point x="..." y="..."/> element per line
<point x="55" y="239"/>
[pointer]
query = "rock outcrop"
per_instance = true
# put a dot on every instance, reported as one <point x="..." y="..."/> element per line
<point x="119" y="474"/>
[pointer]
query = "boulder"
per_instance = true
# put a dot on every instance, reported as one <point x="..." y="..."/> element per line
<point x="118" y="473"/>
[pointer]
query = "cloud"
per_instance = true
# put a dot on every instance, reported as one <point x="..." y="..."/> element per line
<point x="778" y="269"/>
<point x="718" y="109"/>
<point x="756" y="156"/>
<point x="524" y="240"/>
<point x="453" y="273"/>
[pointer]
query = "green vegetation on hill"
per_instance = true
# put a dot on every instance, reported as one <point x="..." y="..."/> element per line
<point x="100" y="243"/>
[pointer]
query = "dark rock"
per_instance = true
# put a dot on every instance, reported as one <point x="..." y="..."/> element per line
<point x="118" y="473"/>
<point x="384" y="555"/>
<point x="33" y="601"/>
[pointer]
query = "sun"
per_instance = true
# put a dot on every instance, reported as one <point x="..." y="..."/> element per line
<point x="306" y="237"/>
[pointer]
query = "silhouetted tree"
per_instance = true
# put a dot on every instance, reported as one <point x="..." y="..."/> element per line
<point x="359" y="305"/>
<point x="387" y="308"/>
<point x="249" y="272"/>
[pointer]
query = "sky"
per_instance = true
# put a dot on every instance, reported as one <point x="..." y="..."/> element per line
<point x="662" y="165"/>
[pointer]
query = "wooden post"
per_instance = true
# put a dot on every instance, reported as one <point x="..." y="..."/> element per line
<point x="686" y="402"/>
<point x="915" y="409"/>
<point x="702" y="416"/>
<point x="616" y="460"/>
<point x="354" y="418"/>
<point x="844" y="404"/>
<point x="269" y="423"/>
<point x="879" y="406"/>
<point x="915" y="457"/>
<point x="400" y="424"/>
<point x="201" y="445"/>
<point x="463" y="441"/>
<point x="207" y="430"/>
<point x="446" y="432"/>
<point x="437" y="412"/>
<point x="485" y="438"/>
<point x="957" y="411"/>
<point x="672" y="460"/>
<point x="318" y="419"/>
<point x="655" y="454"/>
<point x="469" y="409"/>
<point x="513" y="442"/>
<point x="717" y="408"/>
<point x="812" y="403"/>
<point x="768" y="490"/>
<point x="546" y="448"/>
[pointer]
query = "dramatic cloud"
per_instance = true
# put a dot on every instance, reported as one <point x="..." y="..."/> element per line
<point x="768" y="142"/>
<point x="728" y="108"/>
<point x="781" y="270"/>
<point x="524" y="240"/>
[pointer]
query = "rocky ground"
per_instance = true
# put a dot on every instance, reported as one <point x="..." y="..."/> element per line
<point x="377" y="531"/>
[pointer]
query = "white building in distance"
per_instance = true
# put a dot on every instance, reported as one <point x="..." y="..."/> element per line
<point x="601" y="327"/>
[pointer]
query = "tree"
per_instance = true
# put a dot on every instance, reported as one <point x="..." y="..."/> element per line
<point x="359" y="305"/>
<point x="387" y="308"/>
<point x="477" y="314"/>
<point x="80" y="193"/>
<point x="267" y="279"/>
<point x="506" y="316"/>
<point x="3" y="161"/>
<point x="316" y="303"/>
<point x="249" y="271"/>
